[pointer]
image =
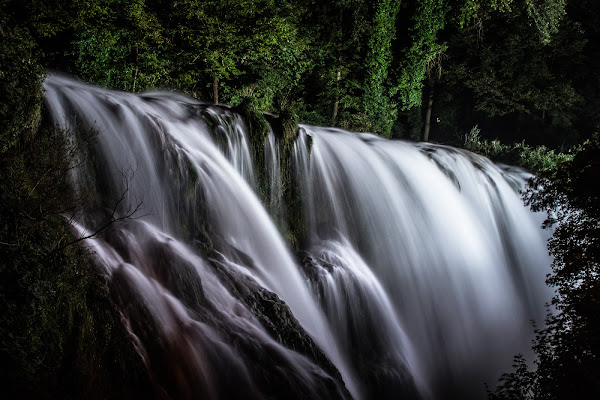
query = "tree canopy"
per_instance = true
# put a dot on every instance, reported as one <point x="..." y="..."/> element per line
<point x="352" y="63"/>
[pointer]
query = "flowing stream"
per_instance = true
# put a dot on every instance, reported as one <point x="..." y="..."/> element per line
<point x="414" y="273"/>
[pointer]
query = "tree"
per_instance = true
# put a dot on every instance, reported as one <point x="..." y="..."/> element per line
<point x="434" y="72"/>
<point x="221" y="42"/>
<point x="568" y="347"/>
<point x="122" y="46"/>
<point x="514" y="72"/>
<point x="377" y="102"/>
<point x="337" y="37"/>
<point x="428" y="19"/>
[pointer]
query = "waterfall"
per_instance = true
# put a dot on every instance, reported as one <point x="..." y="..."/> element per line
<point x="418" y="275"/>
<point x="445" y="234"/>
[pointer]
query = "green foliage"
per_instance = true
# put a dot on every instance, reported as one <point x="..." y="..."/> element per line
<point x="353" y="63"/>
<point x="20" y="79"/>
<point x="467" y="11"/>
<point x="60" y="335"/>
<point x="339" y="34"/>
<point x="278" y="72"/>
<point x="256" y="122"/>
<point x="472" y="140"/>
<point x="429" y="18"/>
<point x="102" y="57"/>
<point x="569" y="347"/>
<point x="537" y="159"/>
<point x="547" y="15"/>
<point x="516" y="74"/>
<point x="128" y="56"/>
<point x="377" y="103"/>
<point x="249" y="47"/>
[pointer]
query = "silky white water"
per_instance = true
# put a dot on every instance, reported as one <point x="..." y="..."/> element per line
<point x="418" y="277"/>
<point x="446" y="234"/>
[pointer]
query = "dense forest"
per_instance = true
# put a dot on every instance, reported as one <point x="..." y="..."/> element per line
<point x="515" y="80"/>
<point x="521" y="70"/>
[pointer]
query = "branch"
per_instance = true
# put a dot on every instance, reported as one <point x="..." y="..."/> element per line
<point x="38" y="182"/>
<point x="111" y="221"/>
<point x="114" y="218"/>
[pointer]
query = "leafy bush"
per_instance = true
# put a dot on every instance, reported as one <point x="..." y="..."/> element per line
<point x="537" y="159"/>
<point x="20" y="83"/>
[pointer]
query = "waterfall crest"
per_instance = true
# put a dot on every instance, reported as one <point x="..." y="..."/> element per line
<point x="418" y="275"/>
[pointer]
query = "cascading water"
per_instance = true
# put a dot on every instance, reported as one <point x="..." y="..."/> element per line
<point x="445" y="233"/>
<point x="419" y="272"/>
<point x="192" y="193"/>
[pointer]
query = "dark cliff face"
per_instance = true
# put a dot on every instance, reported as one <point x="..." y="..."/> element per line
<point x="202" y="350"/>
<point x="62" y="336"/>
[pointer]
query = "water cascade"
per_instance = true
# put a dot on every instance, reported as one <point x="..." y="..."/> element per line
<point x="416" y="276"/>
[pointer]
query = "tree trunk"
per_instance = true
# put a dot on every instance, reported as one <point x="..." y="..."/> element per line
<point x="336" y="104"/>
<point x="428" y="113"/>
<point x="136" y="69"/>
<point x="135" y="74"/>
<point x="215" y="86"/>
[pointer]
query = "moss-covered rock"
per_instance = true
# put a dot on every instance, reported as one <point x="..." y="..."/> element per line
<point x="276" y="317"/>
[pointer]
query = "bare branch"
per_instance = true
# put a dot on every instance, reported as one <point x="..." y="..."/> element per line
<point x="114" y="216"/>
<point x="38" y="182"/>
